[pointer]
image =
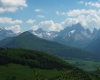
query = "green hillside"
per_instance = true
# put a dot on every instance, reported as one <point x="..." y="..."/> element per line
<point x="22" y="64"/>
<point x="31" y="58"/>
<point x="29" y="41"/>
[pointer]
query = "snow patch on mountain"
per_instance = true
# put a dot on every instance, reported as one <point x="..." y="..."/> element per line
<point x="72" y="31"/>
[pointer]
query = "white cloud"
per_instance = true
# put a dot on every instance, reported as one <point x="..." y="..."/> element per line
<point x="58" y="13"/>
<point x="15" y="29"/>
<point x="9" y="20"/>
<point x="78" y="12"/>
<point x="93" y="21"/>
<point x="81" y="2"/>
<point x="34" y="28"/>
<point x="11" y="5"/>
<point x="40" y="16"/>
<point x="81" y="12"/>
<point x="69" y="22"/>
<point x="90" y="21"/>
<point x="38" y="10"/>
<point x="96" y="4"/>
<point x="31" y="21"/>
<point x="11" y="9"/>
<point x="48" y="26"/>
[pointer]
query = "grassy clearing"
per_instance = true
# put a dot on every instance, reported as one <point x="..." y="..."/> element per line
<point x="24" y="72"/>
<point x="87" y="65"/>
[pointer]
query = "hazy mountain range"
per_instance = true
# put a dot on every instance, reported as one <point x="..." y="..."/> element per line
<point x="74" y="35"/>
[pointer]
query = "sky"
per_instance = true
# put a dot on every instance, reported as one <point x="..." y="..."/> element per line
<point x="50" y="15"/>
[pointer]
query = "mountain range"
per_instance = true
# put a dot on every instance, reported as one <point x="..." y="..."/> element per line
<point x="27" y="40"/>
<point x="74" y="35"/>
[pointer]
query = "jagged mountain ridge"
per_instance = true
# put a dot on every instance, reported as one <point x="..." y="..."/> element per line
<point x="44" y="34"/>
<point x="74" y="35"/>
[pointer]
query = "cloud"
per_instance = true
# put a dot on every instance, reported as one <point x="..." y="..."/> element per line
<point x="34" y="28"/>
<point x="40" y="16"/>
<point x="9" y="20"/>
<point x="38" y="10"/>
<point x="78" y="12"/>
<point x="11" y="9"/>
<point x="93" y="21"/>
<point x="48" y="26"/>
<point x="81" y="2"/>
<point x="11" y="5"/>
<point x="90" y="21"/>
<point x="15" y="29"/>
<point x="31" y="21"/>
<point x="96" y="4"/>
<point x="58" y="13"/>
<point x="81" y="12"/>
<point x="69" y="22"/>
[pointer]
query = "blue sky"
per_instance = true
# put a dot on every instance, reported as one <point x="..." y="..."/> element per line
<point x="50" y="15"/>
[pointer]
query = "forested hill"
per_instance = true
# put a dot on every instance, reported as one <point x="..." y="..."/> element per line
<point x="40" y="60"/>
<point x="34" y="59"/>
<point x="29" y="41"/>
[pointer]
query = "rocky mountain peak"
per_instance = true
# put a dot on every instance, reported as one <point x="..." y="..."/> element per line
<point x="78" y="27"/>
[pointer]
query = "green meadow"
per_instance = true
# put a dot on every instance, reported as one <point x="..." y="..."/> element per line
<point x="20" y="72"/>
<point x="87" y="65"/>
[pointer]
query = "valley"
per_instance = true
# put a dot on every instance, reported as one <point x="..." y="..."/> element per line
<point x="49" y="39"/>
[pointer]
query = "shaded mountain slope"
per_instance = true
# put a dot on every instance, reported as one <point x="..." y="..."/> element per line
<point x="6" y="41"/>
<point x="94" y="46"/>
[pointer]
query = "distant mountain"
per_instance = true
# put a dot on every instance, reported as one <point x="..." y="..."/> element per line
<point x="94" y="46"/>
<point x="77" y="27"/>
<point x="44" y="34"/>
<point x="4" y="33"/>
<point x="27" y="40"/>
<point x="75" y="35"/>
